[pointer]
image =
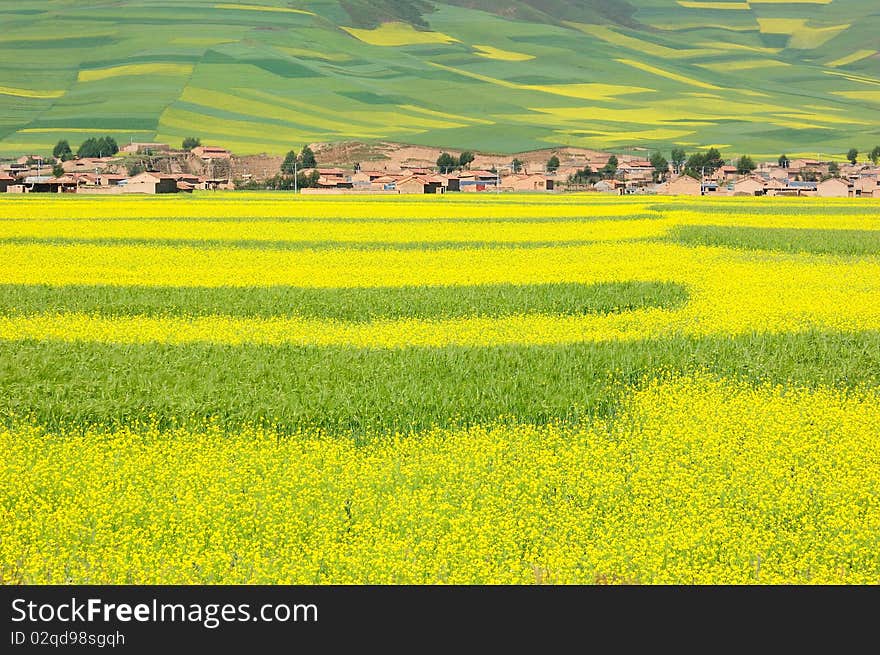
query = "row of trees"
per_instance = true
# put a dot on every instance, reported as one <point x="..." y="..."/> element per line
<point x="293" y="162"/>
<point x="874" y="155"/>
<point x="587" y="175"/>
<point x="284" y="182"/>
<point x="292" y="175"/>
<point x="447" y="163"/>
<point x="105" y="146"/>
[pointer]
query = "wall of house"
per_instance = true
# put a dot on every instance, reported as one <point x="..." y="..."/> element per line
<point x="832" y="191"/>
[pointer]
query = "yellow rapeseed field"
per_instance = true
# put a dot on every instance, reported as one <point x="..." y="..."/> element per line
<point x="700" y="481"/>
<point x="261" y="388"/>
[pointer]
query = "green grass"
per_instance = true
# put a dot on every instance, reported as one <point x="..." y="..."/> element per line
<point x="76" y="385"/>
<point x="360" y="92"/>
<point x="793" y="207"/>
<point x="345" y="304"/>
<point x="800" y="240"/>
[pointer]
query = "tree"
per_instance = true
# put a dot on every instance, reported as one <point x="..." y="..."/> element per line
<point x="713" y="159"/>
<point x="611" y="167"/>
<point x="853" y="156"/>
<point x="516" y="165"/>
<point x="745" y="165"/>
<point x="875" y="155"/>
<point x="136" y="168"/>
<point x="695" y="166"/>
<point x="307" y="180"/>
<point x="446" y="163"/>
<point x="678" y="158"/>
<point x="62" y="150"/>
<point x="57" y="170"/>
<point x="289" y="165"/>
<point x="191" y="142"/>
<point x="104" y="147"/>
<point x="833" y="169"/>
<point x="553" y="164"/>
<point x="783" y="161"/>
<point x="465" y="158"/>
<point x="661" y="166"/>
<point x="703" y="163"/>
<point x="88" y="148"/>
<point x="107" y="146"/>
<point x="582" y="176"/>
<point x="307" y="158"/>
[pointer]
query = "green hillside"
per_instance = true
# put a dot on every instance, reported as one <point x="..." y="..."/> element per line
<point x="753" y="76"/>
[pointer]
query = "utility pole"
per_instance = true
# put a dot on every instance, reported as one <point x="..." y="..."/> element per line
<point x="295" y="186"/>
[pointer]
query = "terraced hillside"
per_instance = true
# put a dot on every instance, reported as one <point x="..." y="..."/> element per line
<point x="756" y="76"/>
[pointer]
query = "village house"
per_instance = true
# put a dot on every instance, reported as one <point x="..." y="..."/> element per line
<point x="637" y="171"/>
<point x="532" y="182"/>
<point x="867" y="186"/>
<point x="362" y="180"/>
<point x="144" y="148"/>
<point x="384" y="182"/>
<point x="6" y="181"/>
<point x="834" y="188"/>
<point x="436" y="183"/>
<point x="775" y="172"/>
<point x="802" y="187"/>
<point x="748" y="186"/>
<point x="86" y="164"/>
<point x="208" y="153"/>
<point x="107" y="179"/>
<point x="44" y="184"/>
<point x="420" y="184"/>
<point x="683" y="185"/>
<point x="64" y="184"/>
<point x="339" y="173"/>
<point x="725" y="174"/>
<point x="333" y="180"/>
<point x="607" y="186"/>
<point x="25" y="160"/>
<point x="471" y="181"/>
<point x="152" y="183"/>
<point x="774" y="186"/>
<point x="453" y="182"/>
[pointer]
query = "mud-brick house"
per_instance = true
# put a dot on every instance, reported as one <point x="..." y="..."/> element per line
<point x="867" y="186"/>
<point x="152" y="183"/>
<point x="6" y="181"/>
<point x="527" y="183"/>
<point x="683" y="185"/>
<point x="834" y="188"/>
<point x="748" y="186"/>
<point x="144" y="148"/>
<point x="410" y="184"/>
<point x="478" y="180"/>
<point x="208" y="153"/>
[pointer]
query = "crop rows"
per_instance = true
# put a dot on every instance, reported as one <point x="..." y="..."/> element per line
<point x="690" y="397"/>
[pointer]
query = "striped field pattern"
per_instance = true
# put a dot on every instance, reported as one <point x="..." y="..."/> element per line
<point x="629" y="76"/>
<point x="262" y="388"/>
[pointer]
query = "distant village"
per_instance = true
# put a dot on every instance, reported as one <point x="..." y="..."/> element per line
<point x="103" y="168"/>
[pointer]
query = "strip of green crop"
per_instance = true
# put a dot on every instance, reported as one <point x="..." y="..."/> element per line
<point x="789" y="207"/>
<point x="75" y="385"/>
<point x="345" y="304"/>
<point x="816" y="241"/>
